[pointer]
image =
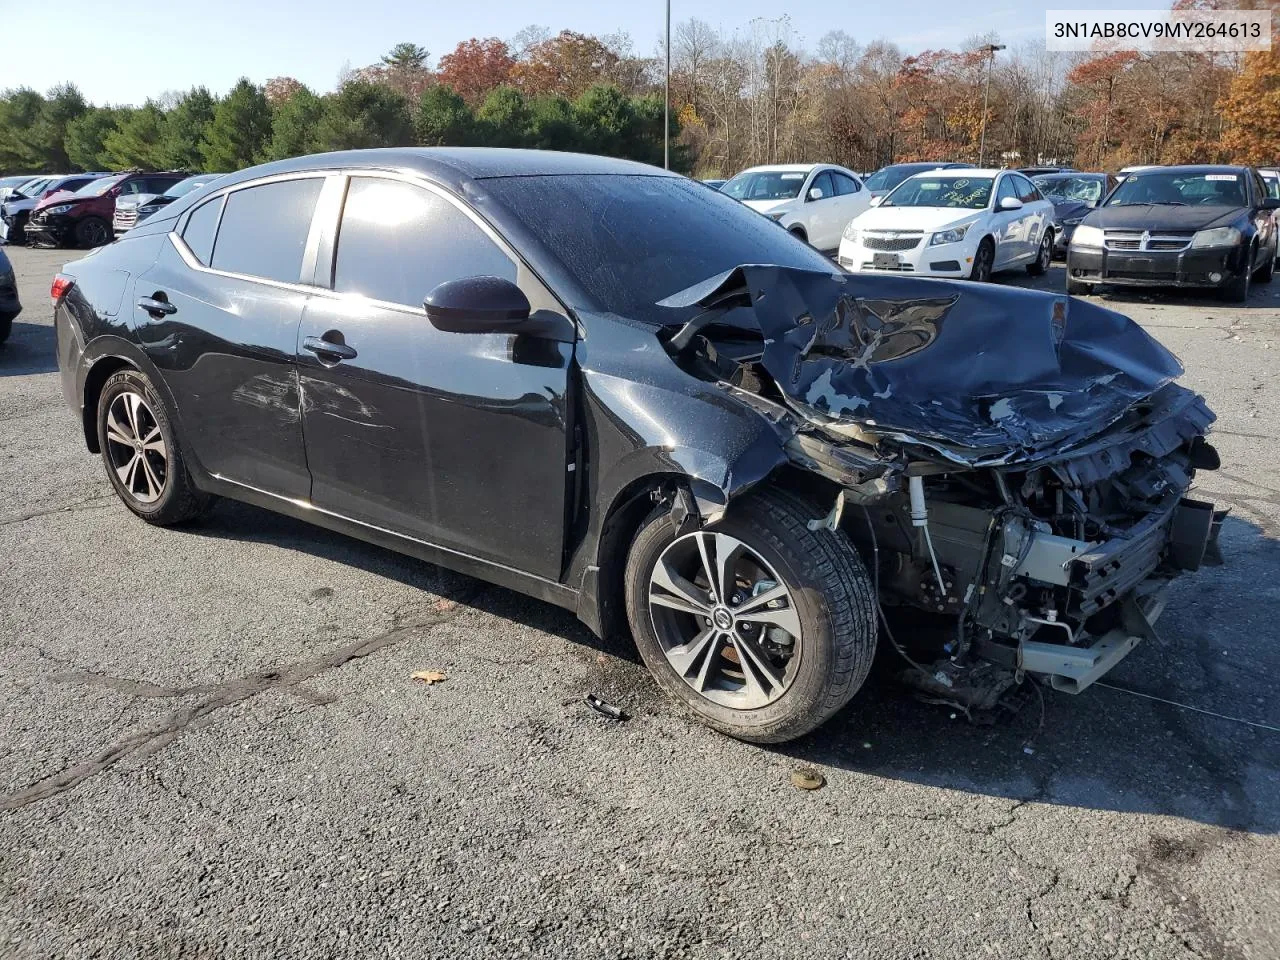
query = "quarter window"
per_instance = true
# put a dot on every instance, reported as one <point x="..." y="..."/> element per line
<point x="398" y="242"/>
<point x="264" y="229"/>
<point x="198" y="233"/>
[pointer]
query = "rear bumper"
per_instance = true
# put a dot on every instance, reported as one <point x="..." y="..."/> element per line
<point x="1152" y="268"/>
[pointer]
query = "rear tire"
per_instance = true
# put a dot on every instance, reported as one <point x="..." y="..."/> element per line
<point x="141" y="454"/>
<point x="93" y="232"/>
<point x="1044" y="257"/>
<point x="827" y="600"/>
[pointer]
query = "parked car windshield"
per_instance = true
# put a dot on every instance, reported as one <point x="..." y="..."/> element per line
<point x="183" y="187"/>
<point x="1272" y="181"/>
<point x="99" y="187"/>
<point x="32" y="187"/>
<point x="969" y="193"/>
<point x="886" y="178"/>
<point x="632" y="240"/>
<point x="765" y="185"/>
<point x="1174" y="188"/>
<point x="1070" y="187"/>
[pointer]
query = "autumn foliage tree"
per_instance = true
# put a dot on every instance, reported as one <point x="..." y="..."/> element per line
<point x="1251" y="109"/>
<point x="475" y="67"/>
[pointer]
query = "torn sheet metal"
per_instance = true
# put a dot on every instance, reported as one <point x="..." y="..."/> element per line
<point x="981" y="373"/>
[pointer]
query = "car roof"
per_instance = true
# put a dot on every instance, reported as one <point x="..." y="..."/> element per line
<point x="454" y="165"/>
<point x="967" y="171"/>
<point x="1196" y="168"/>
<point x="785" y="167"/>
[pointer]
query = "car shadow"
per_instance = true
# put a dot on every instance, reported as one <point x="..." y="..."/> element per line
<point x="31" y="348"/>
<point x="1055" y="281"/>
<point x="1104" y="749"/>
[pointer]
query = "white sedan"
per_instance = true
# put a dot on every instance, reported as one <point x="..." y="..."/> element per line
<point x="964" y="224"/>
<point x="812" y="200"/>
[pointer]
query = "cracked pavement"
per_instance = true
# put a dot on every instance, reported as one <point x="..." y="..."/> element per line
<point x="211" y="746"/>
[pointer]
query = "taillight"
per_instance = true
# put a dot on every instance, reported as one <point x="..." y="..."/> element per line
<point x="61" y="285"/>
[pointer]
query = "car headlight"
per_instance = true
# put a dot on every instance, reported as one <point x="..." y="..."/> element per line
<point x="1217" y="237"/>
<point x="60" y="208"/>
<point x="954" y="235"/>
<point x="851" y="233"/>
<point x="1086" y="236"/>
<point x="1071" y="221"/>
<point x="776" y="216"/>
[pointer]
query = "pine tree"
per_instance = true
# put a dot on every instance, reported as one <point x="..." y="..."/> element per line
<point x="239" y="131"/>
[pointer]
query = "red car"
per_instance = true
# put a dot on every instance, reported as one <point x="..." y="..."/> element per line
<point x="84" y="218"/>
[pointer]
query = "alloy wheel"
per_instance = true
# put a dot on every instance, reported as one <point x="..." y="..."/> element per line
<point x="1046" y="253"/>
<point x="982" y="263"/>
<point x="726" y="622"/>
<point x="136" y="447"/>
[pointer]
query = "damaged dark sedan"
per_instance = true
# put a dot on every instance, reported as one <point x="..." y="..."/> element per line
<point x="611" y="388"/>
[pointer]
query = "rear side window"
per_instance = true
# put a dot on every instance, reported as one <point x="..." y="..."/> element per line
<point x="398" y="242"/>
<point x="198" y="234"/>
<point x="264" y="229"/>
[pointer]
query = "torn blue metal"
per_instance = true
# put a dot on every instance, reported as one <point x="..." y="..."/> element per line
<point x="981" y="374"/>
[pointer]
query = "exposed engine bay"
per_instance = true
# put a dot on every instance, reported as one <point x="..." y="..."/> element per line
<point x="1012" y="465"/>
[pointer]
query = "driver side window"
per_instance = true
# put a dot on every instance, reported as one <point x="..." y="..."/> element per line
<point x="823" y="182"/>
<point x="399" y="241"/>
<point x="1006" y="190"/>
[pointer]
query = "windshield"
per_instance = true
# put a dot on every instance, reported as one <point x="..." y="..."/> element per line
<point x="183" y="187"/>
<point x="886" y="178"/>
<point x="968" y="193"/>
<point x="98" y="187"/>
<point x="1180" y="189"/>
<point x="632" y="240"/>
<point x="765" y="185"/>
<point x="1061" y="187"/>
<point x="32" y="187"/>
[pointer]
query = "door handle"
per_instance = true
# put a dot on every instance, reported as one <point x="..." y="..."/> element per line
<point x="157" y="308"/>
<point x="329" y="349"/>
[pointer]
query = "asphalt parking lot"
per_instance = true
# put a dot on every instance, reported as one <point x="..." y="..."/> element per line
<point x="211" y="745"/>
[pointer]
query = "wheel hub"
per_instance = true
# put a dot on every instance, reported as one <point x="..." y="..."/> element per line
<point x="726" y="622"/>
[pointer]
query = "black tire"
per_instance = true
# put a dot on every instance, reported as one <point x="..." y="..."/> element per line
<point x="1237" y="291"/>
<point x="93" y="232"/>
<point x="6" y="325"/>
<point x="1044" y="257"/>
<point x="178" y="500"/>
<point x="1077" y="288"/>
<point x="833" y="597"/>
<point x="983" y="261"/>
<point x="1266" y="271"/>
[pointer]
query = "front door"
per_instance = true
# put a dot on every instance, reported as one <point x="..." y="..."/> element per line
<point x="1007" y="225"/>
<point x="458" y="440"/>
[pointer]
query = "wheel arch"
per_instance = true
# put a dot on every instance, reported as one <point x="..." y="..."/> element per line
<point x="798" y="229"/>
<point x="95" y="379"/>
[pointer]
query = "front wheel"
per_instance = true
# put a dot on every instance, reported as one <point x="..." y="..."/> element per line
<point x="141" y="453"/>
<point x="983" y="261"/>
<point x="93" y="232"/>
<point x="1237" y="291"/>
<point x="1076" y="288"/>
<point x="1041" y="266"/>
<point x="760" y="626"/>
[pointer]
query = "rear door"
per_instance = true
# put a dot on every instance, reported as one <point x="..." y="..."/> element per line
<point x="230" y="298"/>
<point x="457" y="440"/>
<point x="1037" y="215"/>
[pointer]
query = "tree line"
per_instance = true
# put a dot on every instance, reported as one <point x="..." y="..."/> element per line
<point x="754" y="95"/>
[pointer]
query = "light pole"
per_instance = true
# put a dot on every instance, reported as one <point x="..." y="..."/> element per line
<point x="991" y="49"/>
<point x="666" y="100"/>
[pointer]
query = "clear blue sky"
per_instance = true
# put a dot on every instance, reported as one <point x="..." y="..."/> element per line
<point x="122" y="51"/>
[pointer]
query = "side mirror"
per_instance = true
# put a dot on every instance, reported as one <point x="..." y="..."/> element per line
<point x="875" y="201"/>
<point x="1010" y="203"/>
<point x="477" y="305"/>
<point x="1271" y="203"/>
<point x="815" y="193"/>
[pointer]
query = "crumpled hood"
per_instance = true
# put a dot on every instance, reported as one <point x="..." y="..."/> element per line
<point x="975" y="371"/>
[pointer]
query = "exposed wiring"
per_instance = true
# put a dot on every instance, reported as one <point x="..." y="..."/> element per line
<point x="1187" y="706"/>
<point x="884" y="621"/>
